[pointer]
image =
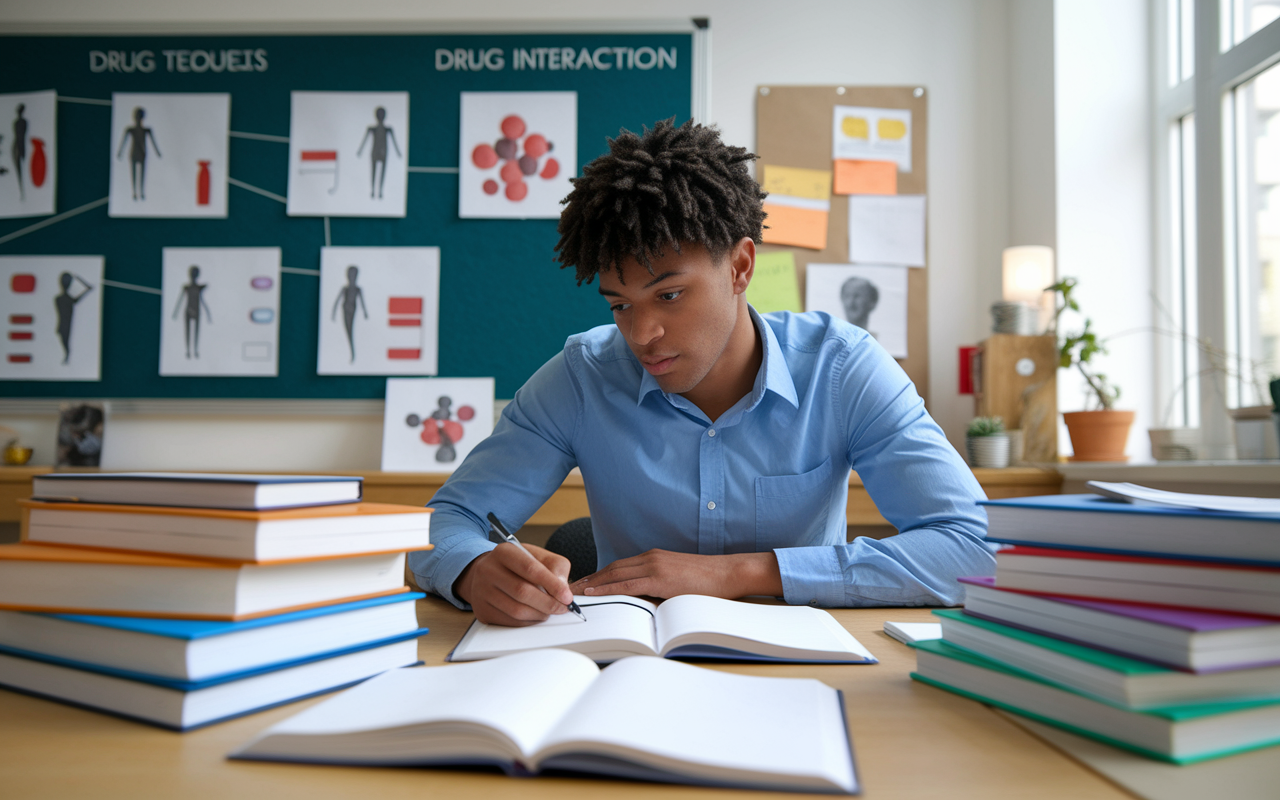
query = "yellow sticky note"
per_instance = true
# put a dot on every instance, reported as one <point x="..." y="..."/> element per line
<point x="891" y="128"/>
<point x="814" y="184"/>
<point x="854" y="176"/>
<point x="855" y="127"/>
<point x="774" y="286"/>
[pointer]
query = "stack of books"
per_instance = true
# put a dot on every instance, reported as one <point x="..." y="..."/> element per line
<point x="186" y="599"/>
<point x="1155" y="628"/>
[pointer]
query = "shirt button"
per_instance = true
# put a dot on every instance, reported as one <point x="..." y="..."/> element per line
<point x="711" y="432"/>
<point x="711" y="506"/>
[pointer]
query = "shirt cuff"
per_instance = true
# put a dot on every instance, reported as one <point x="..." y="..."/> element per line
<point x="441" y="575"/>
<point x="811" y="576"/>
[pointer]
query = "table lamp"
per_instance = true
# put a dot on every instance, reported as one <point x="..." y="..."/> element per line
<point x="1028" y="271"/>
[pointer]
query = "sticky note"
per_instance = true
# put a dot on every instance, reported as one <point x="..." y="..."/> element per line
<point x="866" y="177"/>
<point x="797" y="221"/>
<point x="814" y="184"/>
<point x="887" y="230"/>
<point x="774" y="286"/>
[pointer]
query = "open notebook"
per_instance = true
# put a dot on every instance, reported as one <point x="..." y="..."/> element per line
<point x="641" y="718"/>
<point x="688" y="626"/>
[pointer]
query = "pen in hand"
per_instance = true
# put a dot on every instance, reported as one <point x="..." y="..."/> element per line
<point x="507" y="537"/>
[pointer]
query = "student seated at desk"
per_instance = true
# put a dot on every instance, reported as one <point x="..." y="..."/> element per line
<point x="715" y="442"/>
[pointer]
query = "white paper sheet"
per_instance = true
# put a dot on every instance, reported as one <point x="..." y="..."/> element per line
<point x="169" y="155"/>
<point x="872" y="134"/>
<point x="51" y="308"/>
<point x="28" y="153"/>
<point x="887" y="229"/>
<point x="873" y="297"/>
<point x="1131" y="492"/>
<point x="432" y="424"/>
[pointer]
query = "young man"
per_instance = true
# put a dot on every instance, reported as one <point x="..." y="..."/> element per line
<point x="715" y="443"/>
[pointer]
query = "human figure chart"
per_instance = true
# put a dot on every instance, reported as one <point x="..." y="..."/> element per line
<point x="378" y="153"/>
<point x="193" y="298"/>
<point x="349" y="297"/>
<point x="65" y="305"/>
<point x="138" y="134"/>
<point x="19" y="148"/>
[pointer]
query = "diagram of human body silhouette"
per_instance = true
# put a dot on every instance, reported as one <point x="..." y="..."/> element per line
<point x="378" y="153"/>
<point x="138" y="134"/>
<point x="19" y="148"/>
<point x="348" y="297"/>
<point x="65" y="306"/>
<point x="192" y="298"/>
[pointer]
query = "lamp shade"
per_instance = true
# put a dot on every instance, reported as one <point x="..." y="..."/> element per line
<point x="1028" y="271"/>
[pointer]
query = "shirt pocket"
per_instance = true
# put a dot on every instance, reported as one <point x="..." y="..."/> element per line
<point x="792" y="510"/>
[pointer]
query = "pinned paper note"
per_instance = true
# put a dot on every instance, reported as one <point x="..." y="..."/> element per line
<point x="872" y="297"/>
<point x="872" y="134"/>
<point x="796" y="182"/>
<point x="853" y="176"/>
<point x="796" y="221"/>
<point x="887" y="230"/>
<point x="773" y="287"/>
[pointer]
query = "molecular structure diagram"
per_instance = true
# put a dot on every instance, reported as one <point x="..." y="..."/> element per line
<point x="515" y="168"/>
<point x="440" y="428"/>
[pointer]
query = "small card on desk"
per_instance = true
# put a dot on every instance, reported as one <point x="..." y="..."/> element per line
<point x="908" y="632"/>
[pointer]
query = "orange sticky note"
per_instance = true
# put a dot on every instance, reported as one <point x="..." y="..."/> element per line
<point x="866" y="177"/>
<point x="798" y="224"/>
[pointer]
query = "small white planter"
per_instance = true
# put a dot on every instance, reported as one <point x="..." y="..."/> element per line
<point x="988" y="451"/>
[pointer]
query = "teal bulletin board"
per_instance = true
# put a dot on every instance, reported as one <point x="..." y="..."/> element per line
<point x="505" y="307"/>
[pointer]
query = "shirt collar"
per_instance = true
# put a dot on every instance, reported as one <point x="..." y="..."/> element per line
<point x="772" y="377"/>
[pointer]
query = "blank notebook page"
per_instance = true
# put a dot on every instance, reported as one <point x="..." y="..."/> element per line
<point x="613" y="621"/>
<point x="800" y="627"/>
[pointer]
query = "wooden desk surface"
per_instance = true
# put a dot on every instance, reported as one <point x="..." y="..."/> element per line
<point x="911" y="741"/>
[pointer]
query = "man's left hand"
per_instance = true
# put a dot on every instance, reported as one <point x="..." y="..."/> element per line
<point x="663" y="573"/>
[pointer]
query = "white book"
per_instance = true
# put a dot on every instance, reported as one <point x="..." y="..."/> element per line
<point x="641" y="718"/>
<point x="688" y="626"/>
<point x="199" y="489"/>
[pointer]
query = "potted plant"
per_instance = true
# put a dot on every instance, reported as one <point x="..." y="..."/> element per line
<point x="987" y="443"/>
<point x="1097" y="434"/>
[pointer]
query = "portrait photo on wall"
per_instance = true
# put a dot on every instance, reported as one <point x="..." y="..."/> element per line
<point x="220" y="311"/>
<point x="169" y="155"/>
<point x="348" y="154"/>
<point x="873" y="297"/>
<point x="28" y="153"/>
<point x="518" y="152"/>
<point x="431" y="424"/>
<point x="51" y="307"/>
<point x="379" y="310"/>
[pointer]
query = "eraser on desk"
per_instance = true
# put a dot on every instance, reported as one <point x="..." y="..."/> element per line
<point x="908" y="632"/>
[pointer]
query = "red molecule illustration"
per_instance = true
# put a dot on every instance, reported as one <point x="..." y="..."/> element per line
<point x="440" y="429"/>
<point x="484" y="156"/>
<point x="515" y="166"/>
<point x="466" y="413"/>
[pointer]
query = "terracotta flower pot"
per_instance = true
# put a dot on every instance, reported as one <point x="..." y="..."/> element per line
<point x="1098" y="435"/>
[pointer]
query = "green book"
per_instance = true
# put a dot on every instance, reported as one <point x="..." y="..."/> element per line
<point x="1101" y="674"/>
<point x="1181" y="734"/>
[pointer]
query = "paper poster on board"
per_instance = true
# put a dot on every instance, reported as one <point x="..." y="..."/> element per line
<point x="431" y="424"/>
<point x="871" y="296"/>
<point x="51" y="307"/>
<point x="872" y="134"/>
<point x="220" y="311"/>
<point x="379" y="310"/>
<point x="518" y="152"/>
<point x="28" y="153"/>
<point x="348" y="154"/>
<point x="169" y="155"/>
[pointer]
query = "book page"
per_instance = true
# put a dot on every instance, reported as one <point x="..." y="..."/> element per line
<point x="521" y="696"/>
<point x="616" y="625"/>
<point x="764" y="629"/>
<point x="717" y="726"/>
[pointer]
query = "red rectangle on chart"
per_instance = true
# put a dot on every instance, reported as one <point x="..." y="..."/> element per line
<point x="20" y="336"/>
<point x="23" y="283"/>
<point x="21" y="319"/>
<point x="404" y="354"/>
<point x="404" y="305"/>
<point x="405" y="322"/>
<point x="319" y="155"/>
<point x="15" y="358"/>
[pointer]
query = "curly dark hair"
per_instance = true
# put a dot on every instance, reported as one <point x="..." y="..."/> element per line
<point x="668" y="186"/>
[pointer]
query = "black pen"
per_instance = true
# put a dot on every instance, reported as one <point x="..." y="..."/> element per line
<point x="507" y="537"/>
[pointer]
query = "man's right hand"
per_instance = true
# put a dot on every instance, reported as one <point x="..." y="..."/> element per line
<point x="504" y="586"/>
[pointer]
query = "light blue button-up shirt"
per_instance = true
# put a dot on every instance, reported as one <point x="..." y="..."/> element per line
<point x="771" y="474"/>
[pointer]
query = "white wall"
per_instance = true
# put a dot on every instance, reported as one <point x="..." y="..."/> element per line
<point x="980" y="154"/>
<point x="1104" y="190"/>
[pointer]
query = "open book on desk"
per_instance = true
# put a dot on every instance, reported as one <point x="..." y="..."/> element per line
<point x="641" y="718"/>
<point x="688" y="626"/>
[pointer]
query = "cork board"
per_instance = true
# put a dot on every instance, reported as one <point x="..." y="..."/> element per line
<point x="793" y="129"/>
